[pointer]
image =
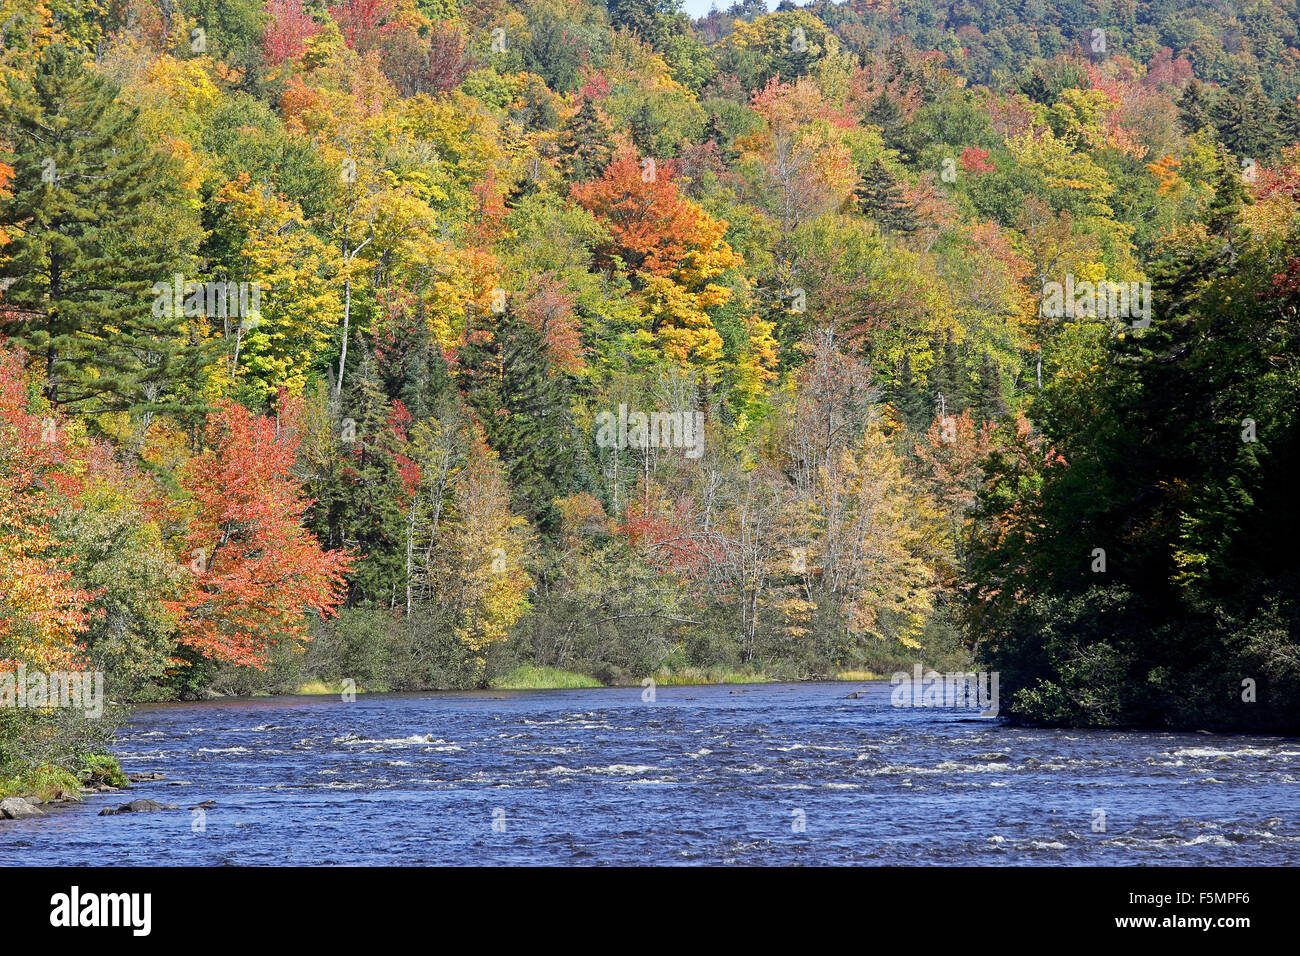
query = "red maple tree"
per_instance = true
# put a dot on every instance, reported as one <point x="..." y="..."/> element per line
<point x="288" y="28"/>
<point x="256" y="569"/>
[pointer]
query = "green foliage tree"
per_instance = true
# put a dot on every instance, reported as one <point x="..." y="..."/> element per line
<point x="96" y="221"/>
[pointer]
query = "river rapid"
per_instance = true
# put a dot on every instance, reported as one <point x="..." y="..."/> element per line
<point x="764" y="774"/>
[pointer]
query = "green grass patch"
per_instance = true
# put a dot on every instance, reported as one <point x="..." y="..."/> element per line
<point x="708" y="675"/>
<point x="528" y="677"/>
<point x="46" y="781"/>
<point x="103" y="769"/>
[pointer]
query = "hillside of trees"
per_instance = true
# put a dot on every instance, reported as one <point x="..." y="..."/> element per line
<point x="413" y="342"/>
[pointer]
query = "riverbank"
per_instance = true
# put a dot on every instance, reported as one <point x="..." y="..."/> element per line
<point x="30" y="792"/>
<point x="529" y="677"/>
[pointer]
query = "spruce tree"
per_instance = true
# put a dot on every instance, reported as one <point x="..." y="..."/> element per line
<point x="1193" y="114"/>
<point x="536" y="435"/>
<point x="89" y="241"/>
<point x="1229" y="193"/>
<point x="585" y="144"/>
<point x="1035" y="87"/>
<point x="949" y="385"/>
<point x="1245" y="119"/>
<point x="881" y="198"/>
<point x="988" y="403"/>
<point x="1288" y="122"/>
<point x="910" y="396"/>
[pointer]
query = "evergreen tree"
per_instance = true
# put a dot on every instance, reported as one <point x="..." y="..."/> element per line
<point x="910" y="396"/>
<point x="1229" y="192"/>
<point x="362" y="508"/>
<point x="411" y="364"/>
<point x="586" y="144"/>
<point x="1245" y="119"/>
<point x="1154" y="564"/>
<point x="90" y="239"/>
<point x="1288" y="122"/>
<point x="885" y="113"/>
<point x="949" y="388"/>
<point x="1193" y="113"/>
<point x="1035" y="87"/>
<point x="652" y="20"/>
<point x="988" y="403"/>
<point x="881" y="198"/>
<point x="524" y="410"/>
<point x="898" y="134"/>
<point x="538" y="436"/>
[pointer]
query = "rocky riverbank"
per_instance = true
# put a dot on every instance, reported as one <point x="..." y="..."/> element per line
<point x="27" y="806"/>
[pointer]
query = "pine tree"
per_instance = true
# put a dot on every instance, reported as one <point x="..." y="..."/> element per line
<point x="89" y="242"/>
<point x="881" y="198"/>
<point x="1288" y="122"/>
<point x="1245" y="119"/>
<point x="988" y="403"/>
<point x="1193" y="114"/>
<point x="585" y="144"/>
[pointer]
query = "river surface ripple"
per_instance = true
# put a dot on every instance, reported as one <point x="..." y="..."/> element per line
<point x="759" y="774"/>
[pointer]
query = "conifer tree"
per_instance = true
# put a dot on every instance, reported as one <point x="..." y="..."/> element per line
<point x="1288" y="122"/>
<point x="585" y="144"/>
<point x="537" y="435"/>
<point x="881" y="198"/>
<point x="1245" y="119"/>
<point x="90" y="240"/>
<point x="1193" y="113"/>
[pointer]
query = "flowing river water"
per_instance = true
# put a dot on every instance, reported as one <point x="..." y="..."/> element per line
<point x="757" y="774"/>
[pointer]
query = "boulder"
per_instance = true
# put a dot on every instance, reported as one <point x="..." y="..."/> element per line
<point x="137" y="806"/>
<point x="16" y="808"/>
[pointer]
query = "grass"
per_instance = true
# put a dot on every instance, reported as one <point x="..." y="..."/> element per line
<point x="46" y="781"/>
<point x="320" y="688"/>
<point x="528" y="677"/>
<point x="50" y="782"/>
<point x="859" y="675"/>
<point x="101" y="768"/>
<point x="709" y="675"/>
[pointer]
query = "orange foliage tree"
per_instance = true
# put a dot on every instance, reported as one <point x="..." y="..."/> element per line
<point x="671" y="248"/>
<point x="256" y="569"/>
<point x="42" y="611"/>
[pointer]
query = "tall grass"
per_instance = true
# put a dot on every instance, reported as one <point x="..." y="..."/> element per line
<point x="529" y="677"/>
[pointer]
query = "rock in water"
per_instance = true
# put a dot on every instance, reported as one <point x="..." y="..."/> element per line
<point x="136" y="806"/>
<point x="16" y="808"/>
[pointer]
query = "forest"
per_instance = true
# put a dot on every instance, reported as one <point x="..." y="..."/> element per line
<point x="392" y="345"/>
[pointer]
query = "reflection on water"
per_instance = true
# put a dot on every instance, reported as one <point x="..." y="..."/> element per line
<point x="761" y="774"/>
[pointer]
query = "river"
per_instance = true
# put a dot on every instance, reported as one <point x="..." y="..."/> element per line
<point x="757" y="774"/>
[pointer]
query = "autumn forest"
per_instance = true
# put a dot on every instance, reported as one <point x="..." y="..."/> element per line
<point x="412" y="344"/>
